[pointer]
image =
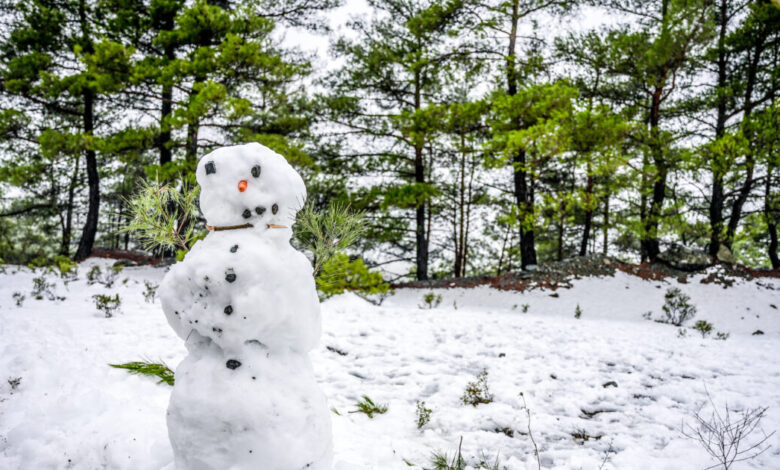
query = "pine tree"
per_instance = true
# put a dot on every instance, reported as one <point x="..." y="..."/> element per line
<point x="656" y="65"/>
<point x="56" y="72"/>
<point x="388" y="92"/>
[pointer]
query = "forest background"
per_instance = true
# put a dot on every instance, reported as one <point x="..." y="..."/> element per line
<point x="475" y="136"/>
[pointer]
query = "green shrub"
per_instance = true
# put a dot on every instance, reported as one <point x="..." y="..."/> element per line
<point x="339" y="274"/>
<point x="423" y="414"/>
<point x="577" y="312"/>
<point x="441" y="461"/>
<point x="704" y="327"/>
<point x="327" y="233"/>
<point x="67" y="266"/>
<point x="477" y="392"/>
<point x="42" y="288"/>
<point x="722" y="336"/>
<point x="677" y="307"/>
<point x="150" y="291"/>
<point x="107" y="304"/>
<point x="431" y="300"/>
<point x="96" y="275"/>
<point x="18" y="298"/>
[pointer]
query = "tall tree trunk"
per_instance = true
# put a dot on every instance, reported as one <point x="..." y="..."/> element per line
<point x="747" y="185"/>
<point x="561" y="217"/>
<point x="166" y="104"/>
<point x="770" y="214"/>
<point x="588" y="212"/>
<point x="68" y="229"/>
<point x="605" y="228"/>
<point x="643" y="203"/>
<point x="523" y="197"/>
<point x="525" y="204"/>
<point x="93" y="182"/>
<point x="421" y="240"/>
<point x="716" y="198"/>
<point x="166" y="108"/>
<point x="650" y="244"/>
<point x="191" y="146"/>
<point x="460" y="216"/>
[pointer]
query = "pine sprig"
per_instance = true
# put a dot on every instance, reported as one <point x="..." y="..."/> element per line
<point x="163" y="216"/>
<point x="368" y="407"/>
<point x="328" y="232"/>
<point x="151" y="369"/>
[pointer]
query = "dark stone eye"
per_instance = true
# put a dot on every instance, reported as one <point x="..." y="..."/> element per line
<point x="247" y="213"/>
<point x="234" y="248"/>
<point x="260" y="210"/>
<point x="228" y="310"/>
<point x="256" y="171"/>
<point x="210" y="168"/>
<point x="274" y="209"/>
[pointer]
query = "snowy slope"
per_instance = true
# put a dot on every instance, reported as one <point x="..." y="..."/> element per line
<point x="70" y="410"/>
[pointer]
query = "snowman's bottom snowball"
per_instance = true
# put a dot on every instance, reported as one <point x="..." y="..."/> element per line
<point x="267" y="414"/>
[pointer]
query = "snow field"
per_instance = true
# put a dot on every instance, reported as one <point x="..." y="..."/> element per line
<point x="70" y="410"/>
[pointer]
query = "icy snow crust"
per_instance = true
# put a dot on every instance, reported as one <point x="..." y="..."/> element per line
<point x="72" y="411"/>
<point x="245" y="303"/>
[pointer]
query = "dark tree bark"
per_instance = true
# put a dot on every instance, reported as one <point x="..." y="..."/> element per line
<point x="771" y="219"/>
<point x="421" y="238"/>
<point x="605" y="228"/>
<point x="716" y="198"/>
<point x="588" y="214"/>
<point x="93" y="181"/>
<point x="523" y="194"/>
<point x="166" y="104"/>
<point x="67" y="229"/>
<point x="747" y="185"/>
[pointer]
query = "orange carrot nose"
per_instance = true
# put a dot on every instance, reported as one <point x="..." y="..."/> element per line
<point x="242" y="185"/>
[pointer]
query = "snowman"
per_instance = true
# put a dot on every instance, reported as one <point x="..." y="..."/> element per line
<point x="244" y="301"/>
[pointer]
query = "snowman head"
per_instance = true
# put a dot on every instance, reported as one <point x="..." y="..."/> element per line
<point x="249" y="184"/>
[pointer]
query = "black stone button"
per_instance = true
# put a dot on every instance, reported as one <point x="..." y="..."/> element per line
<point x="210" y="168"/>
<point x="232" y="364"/>
<point x="228" y="310"/>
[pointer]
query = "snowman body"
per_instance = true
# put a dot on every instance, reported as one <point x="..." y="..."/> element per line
<point x="245" y="303"/>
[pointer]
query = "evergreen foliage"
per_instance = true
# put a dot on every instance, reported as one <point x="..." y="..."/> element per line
<point x="367" y="406"/>
<point x="163" y="217"/>
<point x="470" y="138"/>
<point x="677" y="307"/>
<point x="423" y="414"/>
<point x="327" y="233"/>
<point x="152" y="369"/>
<point x="339" y="274"/>
<point x="477" y="392"/>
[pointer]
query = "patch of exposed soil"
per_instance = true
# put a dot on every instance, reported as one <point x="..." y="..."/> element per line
<point x="559" y="274"/>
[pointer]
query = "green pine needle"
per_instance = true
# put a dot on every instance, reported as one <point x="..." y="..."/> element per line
<point x="163" y="216"/>
<point x="151" y="369"/>
<point x="368" y="407"/>
<point x="328" y="232"/>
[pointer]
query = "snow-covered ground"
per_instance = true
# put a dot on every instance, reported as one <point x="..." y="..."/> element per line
<point x="71" y="410"/>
